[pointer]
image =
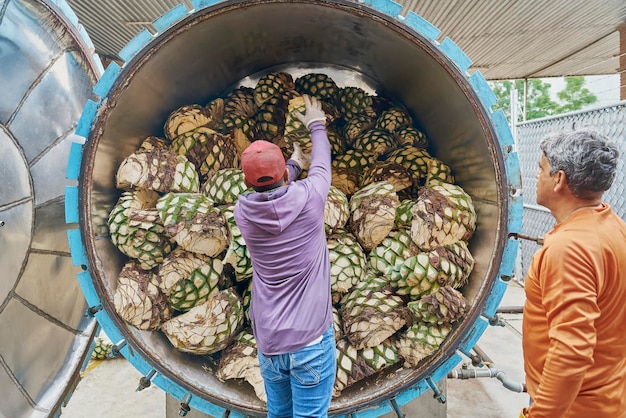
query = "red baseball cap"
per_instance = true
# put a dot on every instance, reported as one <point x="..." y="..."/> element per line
<point x="262" y="163"/>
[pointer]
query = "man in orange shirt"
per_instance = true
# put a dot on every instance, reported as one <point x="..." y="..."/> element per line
<point x="574" y="324"/>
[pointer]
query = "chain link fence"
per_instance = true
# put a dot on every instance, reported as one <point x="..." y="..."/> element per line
<point x="537" y="220"/>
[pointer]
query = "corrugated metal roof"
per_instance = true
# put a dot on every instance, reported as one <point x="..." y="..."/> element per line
<point x="111" y="24"/>
<point x="505" y="39"/>
<point x="531" y="38"/>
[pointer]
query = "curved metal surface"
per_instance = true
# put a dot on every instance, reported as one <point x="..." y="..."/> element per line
<point x="197" y="55"/>
<point x="46" y="74"/>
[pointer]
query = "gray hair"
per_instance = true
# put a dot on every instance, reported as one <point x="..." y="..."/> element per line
<point x="588" y="158"/>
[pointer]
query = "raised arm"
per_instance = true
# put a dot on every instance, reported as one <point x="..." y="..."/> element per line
<point x="315" y="120"/>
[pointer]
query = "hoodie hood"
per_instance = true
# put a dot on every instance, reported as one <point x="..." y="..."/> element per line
<point x="275" y="210"/>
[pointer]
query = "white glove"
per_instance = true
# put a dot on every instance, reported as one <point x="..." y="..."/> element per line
<point x="313" y="112"/>
<point x="302" y="158"/>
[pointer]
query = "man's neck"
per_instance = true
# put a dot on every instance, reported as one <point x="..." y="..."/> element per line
<point x="566" y="211"/>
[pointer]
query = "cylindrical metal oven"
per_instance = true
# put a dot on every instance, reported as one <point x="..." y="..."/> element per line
<point x="196" y="55"/>
<point x="208" y="51"/>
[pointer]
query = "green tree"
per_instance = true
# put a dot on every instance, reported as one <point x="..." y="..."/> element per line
<point x="538" y="100"/>
<point x="539" y="103"/>
<point x="575" y="96"/>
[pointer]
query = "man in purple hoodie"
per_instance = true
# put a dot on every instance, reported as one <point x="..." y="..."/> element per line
<point x="282" y="223"/>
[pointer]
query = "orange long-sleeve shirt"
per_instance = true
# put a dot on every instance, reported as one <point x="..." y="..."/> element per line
<point x="574" y="323"/>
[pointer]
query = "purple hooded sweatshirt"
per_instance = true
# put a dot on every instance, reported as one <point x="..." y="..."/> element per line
<point x="284" y="232"/>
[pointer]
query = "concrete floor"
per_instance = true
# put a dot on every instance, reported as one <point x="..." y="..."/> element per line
<point x="107" y="388"/>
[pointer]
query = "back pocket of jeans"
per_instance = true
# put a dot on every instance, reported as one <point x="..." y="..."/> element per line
<point x="269" y="371"/>
<point x="307" y="364"/>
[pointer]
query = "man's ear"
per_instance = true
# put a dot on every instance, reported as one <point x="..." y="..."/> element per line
<point x="247" y="183"/>
<point x="286" y="176"/>
<point x="561" y="181"/>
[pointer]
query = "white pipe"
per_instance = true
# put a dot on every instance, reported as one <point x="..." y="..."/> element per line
<point x="466" y="373"/>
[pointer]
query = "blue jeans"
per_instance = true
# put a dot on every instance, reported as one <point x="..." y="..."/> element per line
<point x="300" y="384"/>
